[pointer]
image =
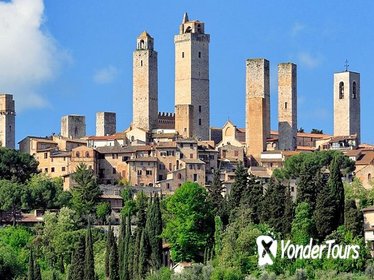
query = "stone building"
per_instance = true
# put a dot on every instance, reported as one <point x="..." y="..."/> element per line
<point x="73" y="126"/>
<point x="7" y="121"/>
<point x="347" y="104"/>
<point x="145" y="84"/>
<point x="105" y="123"/>
<point x="192" y="80"/>
<point x="287" y="106"/>
<point x="257" y="106"/>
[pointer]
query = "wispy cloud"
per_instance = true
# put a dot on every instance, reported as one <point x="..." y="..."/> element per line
<point x="297" y="28"/>
<point x="29" y="56"/>
<point x="105" y="75"/>
<point x="309" y="60"/>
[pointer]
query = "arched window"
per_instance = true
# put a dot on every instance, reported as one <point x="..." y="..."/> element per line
<point x="354" y="90"/>
<point x="188" y="29"/>
<point x="369" y="177"/>
<point x="341" y="90"/>
<point x="77" y="154"/>
<point x="141" y="44"/>
<point x="179" y="176"/>
<point x="87" y="154"/>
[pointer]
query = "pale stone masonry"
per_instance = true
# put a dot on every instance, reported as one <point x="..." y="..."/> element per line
<point x="7" y="121"/>
<point x="73" y="126"/>
<point x="192" y="76"/>
<point x="287" y="106"/>
<point x="105" y="123"/>
<point x="347" y="104"/>
<point x="257" y="105"/>
<point x="145" y="84"/>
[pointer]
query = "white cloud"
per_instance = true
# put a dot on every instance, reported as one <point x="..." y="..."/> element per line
<point x="308" y="60"/>
<point x="105" y="75"/>
<point x="297" y="28"/>
<point x="29" y="56"/>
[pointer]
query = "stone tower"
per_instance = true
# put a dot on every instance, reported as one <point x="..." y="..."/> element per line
<point x="257" y="105"/>
<point x="287" y="106"/>
<point x="347" y="104"/>
<point x="7" y="121"/>
<point x="145" y="84"/>
<point x="105" y="123"/>
<point x="73" y="126"/>
<point x="192" y="79"/>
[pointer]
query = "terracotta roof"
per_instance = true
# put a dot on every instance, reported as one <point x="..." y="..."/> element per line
<point x="143" y="159"/>
<point x="163" y="145"/>
<point x="109" y="137"/>
<point x="305" y="148"/>
<point x="192" y="161"/>
<point x="353" y="153"/>
<point x="114" y="150"/>
<point x="367" y="158"/>
<point x="342" y="138"/>
<point x="60" y="154"/>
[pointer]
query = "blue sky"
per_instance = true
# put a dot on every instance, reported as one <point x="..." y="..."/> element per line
<point x="75" y="57"/>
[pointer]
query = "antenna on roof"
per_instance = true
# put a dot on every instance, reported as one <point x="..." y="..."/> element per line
<point x="346" y="65"/>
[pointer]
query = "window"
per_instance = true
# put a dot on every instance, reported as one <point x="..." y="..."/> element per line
<point x="87" y="154"/>
<point x="199" y="121"/>
<point x="179" y="176"/>
<point x="114" y="156"/>
<point x="195" y="177"/>
<point x="170" y="166"/>
<point x="199" y="54"/>
<point x="199" y="108"/>
<point x="52" y="169"/>
<point x="148" y="172"/>
<point x="285" y="105"/>
<point x="236" y="153"/>
<point x="45" y="155"/>
<point x="182" y="54"/>
<point x="191" y="155"/>
<point x="141" y="62"/>
<point x="354" y="90"/>
<point x="191" y="166"/>
<point x="168" y="186"/>
<point x="369" y="177"/>
<point x="114" y="171"/>
<point x="139" y="172"/>
<point x="63" y="168"/>
<point x="45" y="169"/>
<point x="77" y="154"/>
<point x="191" y="146"/>
<point x="341" y="90"/>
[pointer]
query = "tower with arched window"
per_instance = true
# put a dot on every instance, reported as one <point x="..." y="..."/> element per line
<point x="192" y="79"/>
<point x="7" y="121"/>
<point x="347" y="104"/>
<point x="145" y="84"/>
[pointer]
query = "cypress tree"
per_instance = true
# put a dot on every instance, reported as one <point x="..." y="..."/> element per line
<point x="135" y="265"/>
<point x="89" y="272"/>
<point x="121" y="244"/>
<point x="113" y="262"/>
<point x="252" y="197"/>
<point x="31" y="271"/>
<point x="109" y="242"/>
<point x="142" y="264"/>
<point x="61" y="264"/>
<point x="353" y="218"/>
<point x="38" y="275"/>
<point x="218" y="228"/>
<point x="153" y="234"/>
<point x="54" y="275"/>
<point x="78" y="262"/>
<point x="239" y="186"/>
<point x="215" y="193"/>
<point x="309" y="184"/>
<point x="288" y="213"/>
<point x="127" y="254"/>
<point x="337" y="188"/>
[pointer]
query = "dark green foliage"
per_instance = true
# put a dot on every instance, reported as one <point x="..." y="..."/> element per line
<point x="89" y="272"/>
<point x="336" y="185"/>
<point x="252" y="197"/>
<point x="113" y="262"/>
<point x="77" y="267"/>
<point x="38" y="275"/>
<point x="31" y="268"/>
<point x="288" y="213"/>
<point x="309" y="184"/>
<point x="85" y="192"/>
<point x="353" y="218"/>
<point x="215" y="193"/>
<point x="109" y="244"/>
<point x="121" y="247"/>
<point x="189" y="222"/>
<point x="153" y="233"/>
<point x="142" y="263"/>
<point x="103" y="211"/>
<point x="239" y="187"/>
<point x="302" y="225"/>
<point x="218" y="231"/>
<point x="16" y="166"/>
<point x="317" y="131"/>
<point x="12" y="197"/>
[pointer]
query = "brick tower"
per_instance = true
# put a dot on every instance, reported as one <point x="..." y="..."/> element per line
<point x="192" y="79"/>
<point x="287" y="106"/>
<point x="145" y="84"/>
<point x="7" y="121"/>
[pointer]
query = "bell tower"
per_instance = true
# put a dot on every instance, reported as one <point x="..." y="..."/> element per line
<point x="192" y="79"/>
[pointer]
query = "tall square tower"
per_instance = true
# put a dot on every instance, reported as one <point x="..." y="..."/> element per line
<point x="7" y="121"/>
<point x="287" y="106"/>
<point x="73" y="126"/>
<point x="105" y="123"/>
<point x="145" y="84"/>
<point x="257" y="105"/>
<point x="347" y="112"/>
<point x="192" y="76"/>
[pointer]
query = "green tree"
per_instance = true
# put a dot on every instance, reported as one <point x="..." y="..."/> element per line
<point x="31" y="268"/>
<point x="16" y="166"/>
<point x="302" y="225"/>
<point x="215" y="190"/>
<point x="317" y="131"/>
<point x="218" y="231"/>
<point x="353" y="218"/>
<point x="103" y="210"/>
<point x="142" y="263"/>
<point x="12" y="197"/>
<point x="38" y="275"/>
<point x="153" y="231"/>
<point x="86" y="190"/>
<point x="189" y="222"/>
<point x="78" y="263"/>
<point x="109" y="244"/>
<point x="252" y="198"/>
<point x="89" y="272"/>
<point x="239" y="186"/>
<point x="113" y="262"/>
<point x="336" y="185"/>
<point x="288" y="213"/>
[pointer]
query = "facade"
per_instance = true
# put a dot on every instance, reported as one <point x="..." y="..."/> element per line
<point x="73" y="126"/>
<point x="192" y="79"/>
<point x="347" y="104"/>
<point x="105" y="123"/>
<point x="257" y="106"/>
<point x="287" y="106"/>
<point x="145" y="84"/>
<point x="7" y="121"/>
